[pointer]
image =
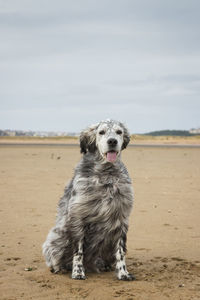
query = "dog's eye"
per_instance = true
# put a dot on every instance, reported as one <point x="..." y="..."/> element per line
<point x="119" y="131"/>
<point x="102" y="132"/>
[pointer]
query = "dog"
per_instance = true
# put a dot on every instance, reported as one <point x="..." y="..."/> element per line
<point x="92" y="220"/>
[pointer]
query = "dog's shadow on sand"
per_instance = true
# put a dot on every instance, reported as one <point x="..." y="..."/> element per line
<point x="159" y="269"/>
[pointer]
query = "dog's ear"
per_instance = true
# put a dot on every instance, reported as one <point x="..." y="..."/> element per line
<point x="88" y="139"/>
<point x="126" y="136"/>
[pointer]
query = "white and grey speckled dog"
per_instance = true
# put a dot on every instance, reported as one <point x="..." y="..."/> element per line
<point x="92" y="221"/>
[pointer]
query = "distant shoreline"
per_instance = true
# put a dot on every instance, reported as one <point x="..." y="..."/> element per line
<point x="77" y="145"/>
<point x="136" y="140"/>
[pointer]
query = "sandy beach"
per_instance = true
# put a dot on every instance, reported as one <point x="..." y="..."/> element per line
<point x="164" y="231"/>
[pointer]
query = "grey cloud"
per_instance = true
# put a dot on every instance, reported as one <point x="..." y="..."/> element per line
<point x="136" y="60"/>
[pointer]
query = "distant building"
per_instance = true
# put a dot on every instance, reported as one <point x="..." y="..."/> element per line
<point x="35" y="133"/>
<point x="195" y="131"/>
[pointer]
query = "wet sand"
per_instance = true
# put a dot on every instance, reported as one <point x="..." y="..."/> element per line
<point x="163" y="239"/>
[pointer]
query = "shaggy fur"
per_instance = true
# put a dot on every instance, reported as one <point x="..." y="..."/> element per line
<point x="92" y="221"/>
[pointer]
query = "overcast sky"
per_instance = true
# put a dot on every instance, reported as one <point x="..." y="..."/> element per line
<point x="66" y="64"/>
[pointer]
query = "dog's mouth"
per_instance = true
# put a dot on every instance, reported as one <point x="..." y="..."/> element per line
<point x="111" y="156"/>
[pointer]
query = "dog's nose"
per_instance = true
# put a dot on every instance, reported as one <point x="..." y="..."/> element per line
<point x="112" y="142"/>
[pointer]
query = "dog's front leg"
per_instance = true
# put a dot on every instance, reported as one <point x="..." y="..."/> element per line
<point x="122" y="273"/>
<point x="77" y="267"/>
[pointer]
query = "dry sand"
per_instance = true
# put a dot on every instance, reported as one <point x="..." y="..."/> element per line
<point x="164" y="233"/>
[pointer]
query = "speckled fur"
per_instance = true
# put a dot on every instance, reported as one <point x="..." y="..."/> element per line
<point x="92" y="221"/>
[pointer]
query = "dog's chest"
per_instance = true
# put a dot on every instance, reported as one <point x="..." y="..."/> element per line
<point x="111" y="184"/>
<point x="113" y="195"/>
<point x="104" y="196"/>
<point x="108" y="203"/>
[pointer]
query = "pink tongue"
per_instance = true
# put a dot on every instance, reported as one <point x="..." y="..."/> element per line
<point x="111" y="156"/>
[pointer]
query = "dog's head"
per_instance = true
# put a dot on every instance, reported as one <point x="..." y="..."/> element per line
<point x="108" y="137"/>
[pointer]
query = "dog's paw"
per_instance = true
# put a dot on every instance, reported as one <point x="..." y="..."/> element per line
<point x="58" y="271"/>
<point x="79" y="276"/>
<point x="126" y="277"/>
<point x="108" y="268"/>
<point x="78" y="272"/>
<point x="54" y="270"/>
